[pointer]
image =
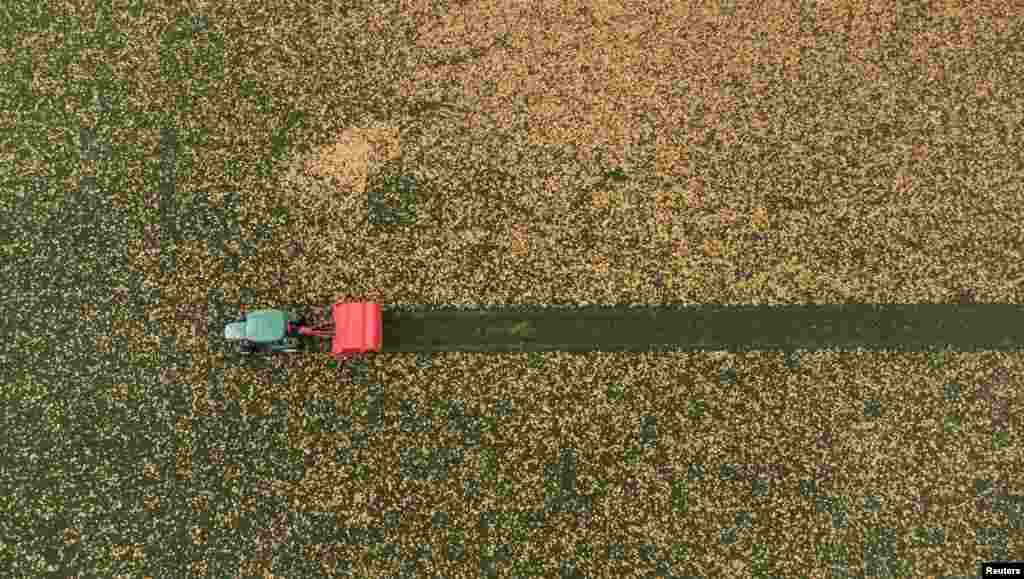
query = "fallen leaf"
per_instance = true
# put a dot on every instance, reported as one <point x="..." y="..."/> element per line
<point x="712" y="247"/>
<point x="349" y="159"/>
<point x="952" y="8"/>
<point x="663" y="232"/>
<point x="806" y="280"/>
<point x="759" y="219"/>
<point x="600" y="199"/>
<point x="694" y="200"/>
<point x="671" y="158"/>
<point x="664" y="203"/>
<point x="520" y="241"/>
<point x="617" y="198"/>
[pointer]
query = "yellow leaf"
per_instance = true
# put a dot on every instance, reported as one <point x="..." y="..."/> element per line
<point x="792" y="265"/>
<point x="791" y="56"/>
<point x="759" y="219"/>
<point x="663" y="232"/>
<point x="665" y="201"/>
<point x="694" y="278"/>
<point x="631" y="279"/>
<point x="617" y="198"/>
<point x="670" y="158"/>
<point x="712" y="248"/>
<point x="806" y="280"/>
<point x="757" y="281"/>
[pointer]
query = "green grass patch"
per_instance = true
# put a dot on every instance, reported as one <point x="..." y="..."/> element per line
<point x="759" y="561"/>
<point x="233" y="488"/>
<point x="532" y="567"/>
<point x="522" y="329"/>
<point x="264" y="470"/>
<point x="1001" y="440"/>
<point x="840" y="505"/>
<point x="489" y="464"/>
<point x="361" y="472"/>
<point x="680" y="497"/>
<point x="490" y="424"/>
<point x="928" y="537"/>
<point x="633" y="456"/>
<point x="937" y="359"/>
<point x="696" y="409"/>
<point x="584" y="552"/>
<point x="617" y="174"/>
<point x="680" y="553"/>
<point x="951" y="392"/>
<point x="535" y="360"/>
<point x="279" y="215"/>
<point x="951" y="424"/>
<point x="280" y="441"/>
<point x="833" y="553"/>
<point x="441" y="408"/>
<point x="616" y="392"/>
<point x="360" y="407"/>
<point x="904" y="568"/>
<point x="247" y="393"/>
<point x="520" y="530"/>
<point x="383" y="213"/>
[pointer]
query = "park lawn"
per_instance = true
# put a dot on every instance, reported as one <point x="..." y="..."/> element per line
<point x="386" y="162"/>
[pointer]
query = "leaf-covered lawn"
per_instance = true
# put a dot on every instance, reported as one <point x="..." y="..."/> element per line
<point x="162" y="167"/>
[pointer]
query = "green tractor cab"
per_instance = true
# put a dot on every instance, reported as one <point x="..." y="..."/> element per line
<point x="265" y="331"/>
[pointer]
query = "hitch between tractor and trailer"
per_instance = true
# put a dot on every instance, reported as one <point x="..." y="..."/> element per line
<point x="353" y="329"/>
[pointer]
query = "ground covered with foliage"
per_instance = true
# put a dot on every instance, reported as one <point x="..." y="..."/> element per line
<point x="162" y="165"/>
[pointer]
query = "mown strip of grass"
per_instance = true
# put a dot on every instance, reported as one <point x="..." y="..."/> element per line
<point x="928" y="327"/>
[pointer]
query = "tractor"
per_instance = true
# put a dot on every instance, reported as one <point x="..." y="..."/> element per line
<point x="352" y="328"/>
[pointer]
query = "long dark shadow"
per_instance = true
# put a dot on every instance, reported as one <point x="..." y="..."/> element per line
<point x="915" y="327"/>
